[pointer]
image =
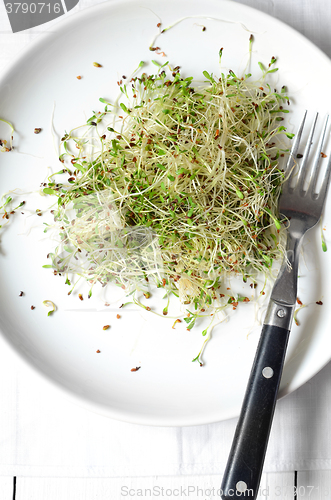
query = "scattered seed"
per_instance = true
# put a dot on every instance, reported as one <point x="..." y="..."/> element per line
<point x="21" y="294"/>
<point x="80" y="296"/>
<point x="320" y="303"/>
<point x="135" y="369"/>
<point x="32" y="307"/>
<point x="37" y="130"/>
<point x="79" y="77"/>
<point x="106" y="327"/>
<point x="118" y="316"/>
<point x="97" y="65"/>
<point x="175" y="323"/>
<point x="98" y="351"/>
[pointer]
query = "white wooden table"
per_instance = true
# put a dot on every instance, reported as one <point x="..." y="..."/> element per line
<point x="300" y="484"/>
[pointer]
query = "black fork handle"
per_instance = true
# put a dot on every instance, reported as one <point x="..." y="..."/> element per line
<point x="244" y="467"/>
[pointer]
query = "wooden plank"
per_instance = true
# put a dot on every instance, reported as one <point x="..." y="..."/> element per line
<point x="279" y="486"/>
<point x="262" y="487"/>
<point x="314" y="485"/>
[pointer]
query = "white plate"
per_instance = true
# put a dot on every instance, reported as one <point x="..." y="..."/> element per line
<point x="168" y="389"/>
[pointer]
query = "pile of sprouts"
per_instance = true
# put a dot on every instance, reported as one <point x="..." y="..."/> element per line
<point x="174" y="185"/>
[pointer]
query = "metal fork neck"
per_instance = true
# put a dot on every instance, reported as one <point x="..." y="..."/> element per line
<point x="286" y="286"/>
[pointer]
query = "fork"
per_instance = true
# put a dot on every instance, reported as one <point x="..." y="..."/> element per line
<point x="302" y="207"/>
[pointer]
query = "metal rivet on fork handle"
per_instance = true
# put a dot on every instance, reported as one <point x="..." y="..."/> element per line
<point x="281" y="313"/>
<point x="241" y="486"/>
<point x="267" y="372"/>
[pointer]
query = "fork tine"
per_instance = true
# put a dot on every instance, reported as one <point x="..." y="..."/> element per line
<point x="302" y="169"/>
<point x="291" y="160"/>
<point x="316" y="161"/>
<point x="321" y="195"/>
